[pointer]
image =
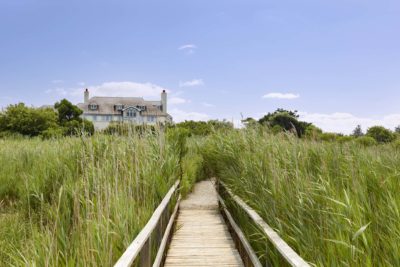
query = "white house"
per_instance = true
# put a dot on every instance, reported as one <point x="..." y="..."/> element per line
<point x="104" y="110"/>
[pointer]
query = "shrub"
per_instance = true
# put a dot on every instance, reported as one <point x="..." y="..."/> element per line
<point x="381" y="134"/>
<point x="366" y="141"/>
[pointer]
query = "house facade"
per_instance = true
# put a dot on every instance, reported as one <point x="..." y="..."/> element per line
<point x="104" y="110"/>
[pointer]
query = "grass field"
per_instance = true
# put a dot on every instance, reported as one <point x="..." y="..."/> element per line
<point x="81" y="201"/>
<point x="335" y="204"/>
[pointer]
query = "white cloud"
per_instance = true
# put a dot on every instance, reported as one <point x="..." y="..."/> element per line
<point x="181" y="115"/>
<point x="191" y="83"/>
<point x="81" y="83"/>
<point x="281" y="96"/>
<point x="126" y="89"/>
<point x="188" y="48"/>
<point x="58" y="91"/>
<point x="177" y="100"/>
<point x="346" y="122"/>
<point x="207" y="105"/>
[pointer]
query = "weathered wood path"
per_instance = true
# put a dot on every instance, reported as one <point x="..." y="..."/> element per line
<point x="203" y="233"/>
<point x="202" y="237"/>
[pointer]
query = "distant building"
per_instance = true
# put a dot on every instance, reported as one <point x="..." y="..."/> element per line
<point x="104" y="110"/>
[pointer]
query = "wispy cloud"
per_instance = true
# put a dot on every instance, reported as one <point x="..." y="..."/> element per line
<point x="129" y="89"/>
<point x="207" y="105"/>
<point x="281" y="96"/>
<point x="58" y="91"/>
<point x="346" y="122"/>
<point x="177" y="100"/>
<point x="188" y="48"/>
<point x="191" y="83"/>
<point x="181" y="115"/>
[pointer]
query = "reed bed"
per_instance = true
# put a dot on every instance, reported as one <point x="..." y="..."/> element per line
<point x="81" y="201"/>
<point x="335" y="204"/>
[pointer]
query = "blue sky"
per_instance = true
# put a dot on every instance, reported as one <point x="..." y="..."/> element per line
<point x="336" y="62"/>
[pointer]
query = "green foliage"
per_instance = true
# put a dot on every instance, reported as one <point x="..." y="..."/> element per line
<point x="396" y="144"/>
<point x="67" y="111"/>
<point x="336" y="205"/>
<point x="366" y="141"/>
<point x="69" y="119"/>
<point x="345" y="139"/>
<point x="381" y="134"/>
<point x="78" y="127"/>
<point x="80" y="201"/>
<point x="44" y="122"/>
<point x="202" y="128"/>
<point x="27" y="121"/>
<point x="277" y="129"/>
<point x="127" y="129"/>
<point x="358" y="131"/>
<point x="250" y="122"/>
<point x="397" y="129"/>
<point x="330" y="137"/>
<point x="312" y="132"/>
<point x="287" y="120"/>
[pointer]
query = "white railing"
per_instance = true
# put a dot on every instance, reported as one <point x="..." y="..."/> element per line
<point x="288" y="254"/>
<point x="140" y="250"/>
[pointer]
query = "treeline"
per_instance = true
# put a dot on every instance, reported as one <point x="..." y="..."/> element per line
<point x="62" y="119"/>
<point x="288" y="121"/>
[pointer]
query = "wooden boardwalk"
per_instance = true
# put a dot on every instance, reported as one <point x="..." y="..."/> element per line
<point x="202" y="237"/>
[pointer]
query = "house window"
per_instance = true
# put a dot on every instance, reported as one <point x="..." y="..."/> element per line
<point x="151" y="118"/>
<point x="130" y="113"/>
<point x="93" y="106"/>
<point x="119" y="107"/>
<point x="141" y="107"/>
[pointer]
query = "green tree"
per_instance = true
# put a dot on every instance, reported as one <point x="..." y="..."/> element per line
<point x="249" y="122"/>
<point x="381" y="134"/>
<point x="287" y="120"/>
<point x="27" y="120"/>
<point x="397" y="129"/>
<point x="357" y="132"/>
<point x="67" y="111"/>
<point x="69" y="118"/>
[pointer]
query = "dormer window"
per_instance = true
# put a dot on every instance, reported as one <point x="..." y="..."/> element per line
<point x="130" y="113"/>
<point x="93" y="106"/>
<point x="119" y="107"/>
<point x="141" y="107"/>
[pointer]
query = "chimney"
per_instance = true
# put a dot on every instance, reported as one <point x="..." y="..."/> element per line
<point x="86" y="96"/>
<point x="164" y="101"/>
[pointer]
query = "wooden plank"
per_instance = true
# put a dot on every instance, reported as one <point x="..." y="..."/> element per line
<point x="135" y="247"/>
<point x="202" y="237"/>
<point x="287" y="252"/>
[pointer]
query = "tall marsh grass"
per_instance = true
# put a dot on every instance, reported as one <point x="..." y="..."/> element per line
<point x="335" y="204"/>
<point x="80" y="201"/>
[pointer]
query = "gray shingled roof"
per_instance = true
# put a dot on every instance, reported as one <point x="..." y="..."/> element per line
<point x="106" y="105"/>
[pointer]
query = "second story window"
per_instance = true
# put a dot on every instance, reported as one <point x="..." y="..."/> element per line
<point x="93" y="106"/>
<point x="119" y="107"/>
<point x="130" y="113"/>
